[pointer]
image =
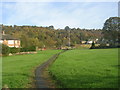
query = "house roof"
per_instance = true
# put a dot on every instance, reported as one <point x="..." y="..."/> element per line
<point x="8" y="37"/>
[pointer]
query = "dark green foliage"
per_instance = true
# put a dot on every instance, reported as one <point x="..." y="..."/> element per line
<point x="5" y="50"/>
<point x="111" y="30"/>
<point x="14" y="50"/>
<point x="51" y="27"/>
<point x="27" y="49"/>
<point x="67" y="28"/>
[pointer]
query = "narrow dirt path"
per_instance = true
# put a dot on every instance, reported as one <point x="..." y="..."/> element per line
<point x="42" y="78"/>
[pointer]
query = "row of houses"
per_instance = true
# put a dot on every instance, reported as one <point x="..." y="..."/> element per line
<point x="9" y="40"/>
<point x="89" y="41"/>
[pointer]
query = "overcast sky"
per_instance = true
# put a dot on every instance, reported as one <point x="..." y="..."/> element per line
<point x="59" y="14"/>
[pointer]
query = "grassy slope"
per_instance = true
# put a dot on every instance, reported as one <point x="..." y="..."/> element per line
<point x="87" y="68"/>
<point x="17" y="70"/>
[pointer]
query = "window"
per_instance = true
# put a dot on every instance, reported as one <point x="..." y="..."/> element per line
<point x="10" y="41"/>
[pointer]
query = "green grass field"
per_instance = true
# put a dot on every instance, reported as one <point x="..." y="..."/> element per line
<point x="0" y="72"/>
<point x="19" y="70"/>
<point x="96" y="68"/>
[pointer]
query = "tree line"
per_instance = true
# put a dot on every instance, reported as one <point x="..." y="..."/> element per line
<point x="50" y="37"/>
<point x="54" y="38"/>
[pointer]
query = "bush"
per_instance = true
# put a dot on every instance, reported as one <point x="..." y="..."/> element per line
<point x="27" y="49"/>
<point x="5" y="50"/>
<point x="14" y="50"/>
<point x="32" y="48"/>
<point x="102" y="45"/>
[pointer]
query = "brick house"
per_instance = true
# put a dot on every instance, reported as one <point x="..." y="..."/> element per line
<point x="9" y="40"/>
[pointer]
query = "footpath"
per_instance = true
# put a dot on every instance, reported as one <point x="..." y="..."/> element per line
<point x="42" y="77"/>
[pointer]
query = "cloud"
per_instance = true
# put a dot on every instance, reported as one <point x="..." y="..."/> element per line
<point x="59" y="14"/>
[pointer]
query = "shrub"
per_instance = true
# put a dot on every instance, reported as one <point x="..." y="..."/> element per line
<point x="32" y="48"/>
<point x="5" y="50"/>
<point x="27" y="49"/>
<point x="14" y="50"/>
<point x="102" y="45"/>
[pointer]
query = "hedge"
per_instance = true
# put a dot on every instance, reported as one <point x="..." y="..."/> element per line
<point x="27" y="49"/>
<point x="14" y="50"/>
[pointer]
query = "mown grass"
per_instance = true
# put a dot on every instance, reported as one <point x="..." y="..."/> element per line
<point x="0" y="72"/>
<point x="96" y="68"/>
<point x="19" y="69"/>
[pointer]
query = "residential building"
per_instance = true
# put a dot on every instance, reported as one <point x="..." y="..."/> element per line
<point x="9" y="40"/>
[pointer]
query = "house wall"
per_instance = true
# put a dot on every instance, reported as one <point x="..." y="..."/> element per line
<point x="11" y="43"/>
<point x="83" y="42"/>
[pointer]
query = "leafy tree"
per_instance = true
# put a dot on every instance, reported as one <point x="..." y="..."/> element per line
<point x="67" y="28"/>
<point x="5" y="50"/>
<point x="51" y="27"/>
<point x="111" y="30"/>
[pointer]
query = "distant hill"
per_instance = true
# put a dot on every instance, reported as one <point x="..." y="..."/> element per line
<point x="50" y="37"/>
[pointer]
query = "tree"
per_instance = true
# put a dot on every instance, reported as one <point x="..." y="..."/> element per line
<point x="111" y="30"/>
<point x="34" y="41"/>
<point x="5" y="50"/>
<point x="40" y="36"/>
<point x="51" y="27"/>
<point x="24" y="41"/>
<point x="67" y="28"/>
